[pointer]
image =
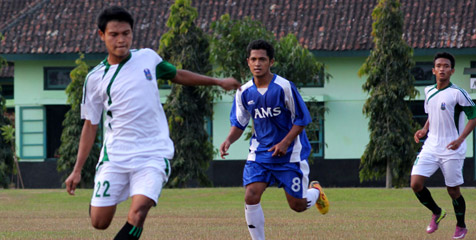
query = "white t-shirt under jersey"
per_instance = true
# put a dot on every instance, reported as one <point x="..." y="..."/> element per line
<point x="136" y="126"/>
<point x="445" y="109"/>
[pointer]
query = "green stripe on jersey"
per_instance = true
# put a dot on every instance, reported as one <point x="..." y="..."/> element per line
<point x="108" y="91"/>
<point x="438" y="91"/>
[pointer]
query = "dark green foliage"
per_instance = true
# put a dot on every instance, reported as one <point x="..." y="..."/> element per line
<point x="228" y="45"/>
<point x="6" y="153"/>
<point x="296" y="63"/>
<point x="186" y="46"/>
<point x="389" y="83"/>
<point x="73" y="125"/>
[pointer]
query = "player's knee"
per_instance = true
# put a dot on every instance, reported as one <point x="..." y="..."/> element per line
<point x="137" y="217"/>
<point x="252" y="199"/>
<point x="298" y="207"/>
<point x="100" y="225"/>
<point x="416" y="186"/>
<point x="454" y="193"/>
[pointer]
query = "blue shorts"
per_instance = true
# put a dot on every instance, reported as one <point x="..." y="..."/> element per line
<point x="292" y="176"/>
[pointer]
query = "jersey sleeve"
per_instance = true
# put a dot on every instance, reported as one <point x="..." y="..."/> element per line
<point x="297" y="106"/>
<point x="165" y="70"/>
<point x="464" y="100"/>
<point x="91" y="104"/>
<point x="239" y="116"/>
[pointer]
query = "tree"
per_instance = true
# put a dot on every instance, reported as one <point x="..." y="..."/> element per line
<point x="6" y="153"/>
<point x="186" y="46"/>
<point x="228" y="45"/>
<point x="73" y="125"/>
<point x="391" y="149"/>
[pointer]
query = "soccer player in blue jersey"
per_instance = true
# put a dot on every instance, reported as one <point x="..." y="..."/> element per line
<point x="279" y="147"/>
<point x="445" y="147"/>
<point x="134" y="160"/>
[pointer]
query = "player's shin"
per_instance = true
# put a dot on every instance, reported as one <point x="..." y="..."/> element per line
<point x="255" y="220"/>
<point x="459" y="206"/>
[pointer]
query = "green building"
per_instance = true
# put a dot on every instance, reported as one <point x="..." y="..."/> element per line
<point x="43" y="38"/>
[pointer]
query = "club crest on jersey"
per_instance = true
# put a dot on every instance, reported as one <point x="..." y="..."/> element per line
<point x="443" y="106"/>
<point x="147" y="74"/>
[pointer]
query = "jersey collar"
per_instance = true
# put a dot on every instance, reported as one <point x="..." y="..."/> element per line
<point x="105" y="62"/>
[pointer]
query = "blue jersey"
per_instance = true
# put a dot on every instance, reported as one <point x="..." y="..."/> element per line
<point x="274" y="113"/>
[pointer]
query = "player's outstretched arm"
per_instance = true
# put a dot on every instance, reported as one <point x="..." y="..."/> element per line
<point x="188" y="78"/>
<point x="88" y="134"/>
<point x="466" y="131"/>
<point x="234" y="134"/>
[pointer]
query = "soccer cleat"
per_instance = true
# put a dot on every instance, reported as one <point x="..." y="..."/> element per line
<point x="460" y="232"/>
<point x="435" y="220"/>
<point x="322" y="202"/>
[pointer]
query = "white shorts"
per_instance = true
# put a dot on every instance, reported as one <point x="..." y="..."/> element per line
<point x="113" y="184"/>
<point x="452" y="169"/>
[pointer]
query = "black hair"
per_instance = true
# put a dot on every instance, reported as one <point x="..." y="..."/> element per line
<point x="447" y="56"/>
<point x="114" y="13"/>
<point x="261" y="45"/>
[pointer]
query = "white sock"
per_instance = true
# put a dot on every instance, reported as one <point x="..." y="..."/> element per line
<point x="255" y="220"/>
<point x="312" y="196"/>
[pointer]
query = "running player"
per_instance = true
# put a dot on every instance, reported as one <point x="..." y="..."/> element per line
<point x="445" y="147"/>
<point x="134" y="160"/>
<point x="279" y="147"/>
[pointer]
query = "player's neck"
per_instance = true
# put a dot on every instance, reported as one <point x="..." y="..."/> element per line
<point x="263" y="81"/>
<point x="112" y="59"/>
<point x="441" y="84"/>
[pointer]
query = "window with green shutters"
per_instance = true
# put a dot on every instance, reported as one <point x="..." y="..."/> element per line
<point x="32" y="133"/>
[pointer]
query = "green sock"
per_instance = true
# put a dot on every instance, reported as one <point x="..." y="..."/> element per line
<point x="129" y="232"/>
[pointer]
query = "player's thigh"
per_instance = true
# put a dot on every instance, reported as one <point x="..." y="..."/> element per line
<point x="293" y="177"/>
<point x="452" y="170"/>
<point x="425" y="165"/>
<point x="150" y="180"/>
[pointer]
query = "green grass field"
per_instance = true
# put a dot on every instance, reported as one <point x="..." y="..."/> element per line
<point x="217" y="213"/>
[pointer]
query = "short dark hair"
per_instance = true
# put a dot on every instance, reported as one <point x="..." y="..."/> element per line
<point x="446" y="55"/>
<point x="114" y="13"/>
<point x="261" y="45"/>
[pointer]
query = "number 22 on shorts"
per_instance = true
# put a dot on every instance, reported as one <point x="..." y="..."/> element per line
<point x="105" y="186"/>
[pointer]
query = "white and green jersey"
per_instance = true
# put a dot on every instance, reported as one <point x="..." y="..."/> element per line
<point x="136" y="126"/>
<point x="445" y="109"/>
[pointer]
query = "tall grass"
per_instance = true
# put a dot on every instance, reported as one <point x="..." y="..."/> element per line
<point x="217" y="213"/>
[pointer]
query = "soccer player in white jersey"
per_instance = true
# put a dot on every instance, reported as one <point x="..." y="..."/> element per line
<point x="445" y="147"/>
<point x="279" y="147"/>
<point x="134" y="160"/>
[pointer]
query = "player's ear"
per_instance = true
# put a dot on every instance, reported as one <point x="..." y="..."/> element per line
<point x="271" y="62"/>
<point x="101" y="34"/>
